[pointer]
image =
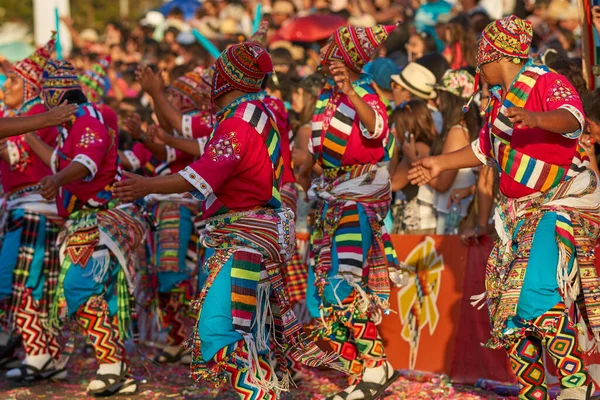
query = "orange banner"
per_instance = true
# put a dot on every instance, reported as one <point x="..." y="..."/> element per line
<point x="421" y="333"/>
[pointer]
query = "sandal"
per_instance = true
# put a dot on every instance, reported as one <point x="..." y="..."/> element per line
<point x="120" y="383"/>
<point x="29" y="373"/>
<point x="377" y="389"/>
<point x="167" y="358"/>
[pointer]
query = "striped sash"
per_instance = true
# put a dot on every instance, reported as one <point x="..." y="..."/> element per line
<point x="524" y="169"/>
<point x="333" y="121"/>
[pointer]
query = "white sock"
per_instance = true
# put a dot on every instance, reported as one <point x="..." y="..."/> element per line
<point x="105" y="369"/>
<point x="114" y="368"/>
<point x="37" y="361"/>
<point x="4" y="338"/>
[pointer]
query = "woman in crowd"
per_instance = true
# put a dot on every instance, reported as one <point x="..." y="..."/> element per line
<point x="414" y="121"/>
<point x="455" y="88"/>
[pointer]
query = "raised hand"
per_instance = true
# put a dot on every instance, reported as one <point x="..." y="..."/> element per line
<point x="158" y="135"/>
<point x="59" y="114"/>
<point x="424" y="170"/>
<point x="341" y="76"/>
<point x="133" y="188"/>
<point x="152" y="83"/>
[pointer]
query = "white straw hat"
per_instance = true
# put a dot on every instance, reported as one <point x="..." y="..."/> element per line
<point x="418" y="80"/>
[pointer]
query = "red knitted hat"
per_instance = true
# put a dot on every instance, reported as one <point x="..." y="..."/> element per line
<point x="241" y="67"/>
<point x="355" y="46"/>
<point x="191" y="89"/>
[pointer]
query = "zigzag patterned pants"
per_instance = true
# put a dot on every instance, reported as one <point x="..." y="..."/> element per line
<point x="359" y="347"/>
<point x="101" y="330"/>
<point x="36" y="339"/>
<point x="174" y="320"/>
<point x="241" y="378"/>
<point x="562" y="346"/>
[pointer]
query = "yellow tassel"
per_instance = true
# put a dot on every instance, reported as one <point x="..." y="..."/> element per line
<point x="517" y="60"/>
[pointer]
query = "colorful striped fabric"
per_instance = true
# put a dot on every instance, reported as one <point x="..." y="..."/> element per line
<point x="268" y="235"/>
<point x="342" y="191"/>
<point x="528" y="171"/>
<point x="332" y="124"/>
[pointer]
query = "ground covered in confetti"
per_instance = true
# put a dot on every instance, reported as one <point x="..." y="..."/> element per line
<point x="173" y="382"/>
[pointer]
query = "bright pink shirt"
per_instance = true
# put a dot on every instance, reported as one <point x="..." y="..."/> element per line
<point x="26" y="168"/>
<point x="235" y="169"/>
<point x="338" y="136"/>
<point x="196" y="126"/>
<point x="550" y="92"/>
<point x="90" y="143"/>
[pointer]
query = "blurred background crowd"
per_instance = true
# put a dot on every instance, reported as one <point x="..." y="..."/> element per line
<point x="410" y="72"/>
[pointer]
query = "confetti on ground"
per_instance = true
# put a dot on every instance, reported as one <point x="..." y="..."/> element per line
<point x="173" y="382"/>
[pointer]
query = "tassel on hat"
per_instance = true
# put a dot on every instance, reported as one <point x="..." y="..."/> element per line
<point x="260" y="36"/>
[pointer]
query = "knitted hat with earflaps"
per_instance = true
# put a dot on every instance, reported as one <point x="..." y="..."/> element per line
<point x="59" y="77"/>
<point x="31" y="69"/>
<point x="355" y="46"/>
<point x="192" y="88"/>
<point x="241" y="67"/>
<point x="93" y="81"/>
<point x="509" y="37"/>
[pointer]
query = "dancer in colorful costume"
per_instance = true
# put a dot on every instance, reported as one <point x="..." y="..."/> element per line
<point x="98" y="241"/>
<point x="93" y="83"/>
<point x="29" y="262"/>
<point x="238" y="179"/>
<point x="353" y="258"/>
<point x="547" y="219"/>
<point x="174" y="244"/>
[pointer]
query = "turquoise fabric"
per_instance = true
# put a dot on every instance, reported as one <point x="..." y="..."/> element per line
<point x="337" y="288"/>
<point x="215" y="324"/>
<point x="80" y="284"/>
<point x="540" y="288"/>
<point x="9" y="256"/>
<point x="167" y="281"/>
<point x="8" y="260"/>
